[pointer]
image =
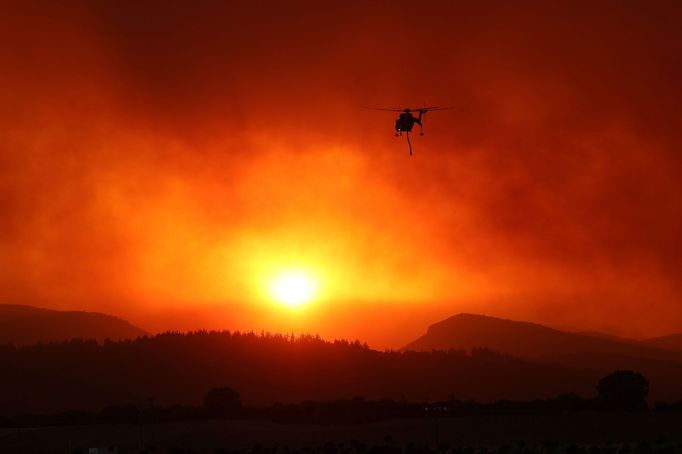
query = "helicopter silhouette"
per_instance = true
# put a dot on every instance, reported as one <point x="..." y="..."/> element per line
<point x="406" y="120"/>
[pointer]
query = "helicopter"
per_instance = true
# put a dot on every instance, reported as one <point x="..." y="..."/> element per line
<point x="406" y="120"/>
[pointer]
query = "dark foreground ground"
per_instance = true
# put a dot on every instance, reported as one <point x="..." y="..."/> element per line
<point x="614" y="433"/>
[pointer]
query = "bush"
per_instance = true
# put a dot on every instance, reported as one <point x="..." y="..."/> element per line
<point x="624" y="390"/>
<point x="222" y="402"/>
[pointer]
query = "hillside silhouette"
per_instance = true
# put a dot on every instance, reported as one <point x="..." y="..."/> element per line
<point x="534" y="342"/>
<point x="607" y="336"/>
<point x="464" y="357"/>
<point x="179" y="369"/>
<point x="669" y="342"/>
<point x="527" y="340"/>
<point x="23" y="325"/>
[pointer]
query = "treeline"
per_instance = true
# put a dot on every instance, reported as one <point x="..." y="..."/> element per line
<point x="175" y="368"/>
<point x="622" y="390"/>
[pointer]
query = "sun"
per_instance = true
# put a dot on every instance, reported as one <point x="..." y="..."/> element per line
<point x="293" y="288"/>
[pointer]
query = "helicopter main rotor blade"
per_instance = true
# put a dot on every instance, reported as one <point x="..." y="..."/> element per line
<point x="387" y="109"/>
<point x="431" y="109"/>
<point x="409" y="109"/>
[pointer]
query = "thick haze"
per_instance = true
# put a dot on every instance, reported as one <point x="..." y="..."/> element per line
<point x="160" y="160"/>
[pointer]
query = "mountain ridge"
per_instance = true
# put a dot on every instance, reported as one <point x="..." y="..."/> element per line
<point x="25" y="325"/>
<point x="668" y="342"/>
<point x="466" y="331"/>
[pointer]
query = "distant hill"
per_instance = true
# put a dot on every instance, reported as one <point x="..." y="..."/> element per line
<point x="23" y="325"/>
<point x="608" y="336"/>
<point x="669" y="342"/>
<point x="527" y="340"/>
<point x="596" y="355"/>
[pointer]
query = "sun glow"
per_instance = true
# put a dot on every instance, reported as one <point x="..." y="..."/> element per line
<point x="293" y="288"/>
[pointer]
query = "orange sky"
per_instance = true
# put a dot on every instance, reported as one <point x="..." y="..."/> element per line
<point x="162" y="160"/>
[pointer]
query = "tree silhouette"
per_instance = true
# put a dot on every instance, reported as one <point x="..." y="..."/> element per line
<point x="222" y="401"/>
<point x="176" y="368"/>
<point x="624" y="390"/>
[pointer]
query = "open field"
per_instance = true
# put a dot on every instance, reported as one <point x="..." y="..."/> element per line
<point x="491" y="431"/>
